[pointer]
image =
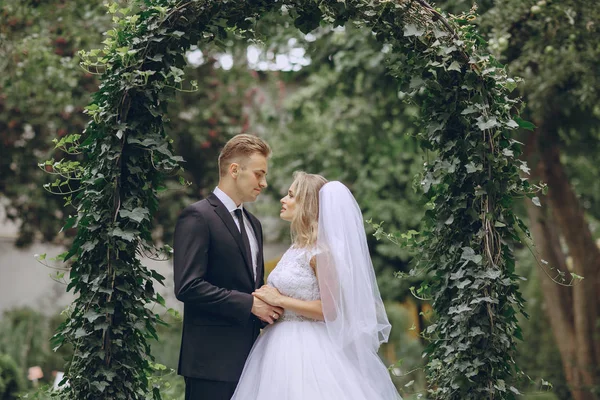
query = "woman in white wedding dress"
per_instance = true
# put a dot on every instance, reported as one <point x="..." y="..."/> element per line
<point x="324" y="345"/>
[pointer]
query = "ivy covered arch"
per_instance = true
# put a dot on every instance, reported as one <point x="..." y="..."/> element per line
<point x="465" y="253"/>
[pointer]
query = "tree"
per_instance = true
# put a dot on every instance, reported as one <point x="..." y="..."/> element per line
<point x="552" y="45"/>
<point x="42" y="94"/>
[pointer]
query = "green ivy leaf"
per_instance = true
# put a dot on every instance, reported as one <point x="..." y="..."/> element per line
<point x="468" y="254"/>
<point x="484" y="123"/>
<point x="454" y="66"/>
<point x="160" y="300"/>
<point x="525" y="124"/>
<point x="79" y="333"/>
<point x="138" y="214"/>
<point x="471" y="167"/>
<point x="91" y="315"/>
<point x="512" y="123"/>
<point x="511" y="84"/>
<point x="128" y="236"/>
<point x="463" y="284"/>
<point x="413" y="30"/>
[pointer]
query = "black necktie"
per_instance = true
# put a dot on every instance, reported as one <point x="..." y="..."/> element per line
<point x="245" y="240"/>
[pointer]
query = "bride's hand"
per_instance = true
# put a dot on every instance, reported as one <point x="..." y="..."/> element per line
<point x="269" y="294"/>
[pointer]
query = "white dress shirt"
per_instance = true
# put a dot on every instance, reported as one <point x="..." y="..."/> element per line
<point x="230" y="205"/>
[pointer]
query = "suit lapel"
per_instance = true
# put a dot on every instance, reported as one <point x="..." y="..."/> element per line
<point x="227" y="219"/>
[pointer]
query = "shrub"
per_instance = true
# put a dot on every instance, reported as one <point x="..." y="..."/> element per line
<point x="11" y="381"/>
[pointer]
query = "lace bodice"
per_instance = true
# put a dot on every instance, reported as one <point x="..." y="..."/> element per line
<point x="294" y="277"/>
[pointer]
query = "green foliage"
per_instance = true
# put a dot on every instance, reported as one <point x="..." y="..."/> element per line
<point x="552" y="45"/>
<point x="162" y="374"/>
<point x="42" y="94"/>
<point x="11" y="382"/>
<point x="166" y="348"/>
<point x="466" y="249"/>
<point x="166" y="381"/>
<point x="409" y="376"/>
<point x="525" y="35"/>
<point x="538" y="356"/>
<point x="24" y="336"/>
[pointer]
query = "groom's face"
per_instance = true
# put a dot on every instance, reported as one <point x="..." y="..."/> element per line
<point x="251" y="177"/>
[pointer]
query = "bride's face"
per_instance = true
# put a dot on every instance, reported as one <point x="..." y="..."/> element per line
<point x="288" y="205"/>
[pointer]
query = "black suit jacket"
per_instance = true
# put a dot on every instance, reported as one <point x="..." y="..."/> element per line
<point x="213" y="279"/>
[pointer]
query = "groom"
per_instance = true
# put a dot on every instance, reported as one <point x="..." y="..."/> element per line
<point x="218" y="263"/>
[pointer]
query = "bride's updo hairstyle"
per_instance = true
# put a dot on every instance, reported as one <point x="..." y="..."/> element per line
<point x="306" y="219"/>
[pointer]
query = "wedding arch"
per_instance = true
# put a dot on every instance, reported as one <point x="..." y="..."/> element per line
<point x="467" y="118"/>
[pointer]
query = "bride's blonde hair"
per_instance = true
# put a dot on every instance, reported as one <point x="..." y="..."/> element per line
<point x="306" y="219"/>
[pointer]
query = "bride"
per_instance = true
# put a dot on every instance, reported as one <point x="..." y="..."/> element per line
<point x="324" y="345"/>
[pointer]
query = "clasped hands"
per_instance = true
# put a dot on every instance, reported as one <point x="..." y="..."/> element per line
<point x="267" y="304"/>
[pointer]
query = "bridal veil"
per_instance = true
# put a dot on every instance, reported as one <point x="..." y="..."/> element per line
<point x="354" y="313"/>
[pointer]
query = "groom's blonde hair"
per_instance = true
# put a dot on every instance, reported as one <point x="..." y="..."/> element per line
<point x="305" y="223"/>
<point x="240" y="147"/>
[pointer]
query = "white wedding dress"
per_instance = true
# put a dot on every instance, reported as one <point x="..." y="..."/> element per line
<point x="295" y="358"/>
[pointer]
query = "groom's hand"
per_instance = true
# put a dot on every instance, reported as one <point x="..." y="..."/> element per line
<point x="265" y="311"/>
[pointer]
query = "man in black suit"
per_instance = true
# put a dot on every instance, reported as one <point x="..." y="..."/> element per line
<point x="218" y="263"/>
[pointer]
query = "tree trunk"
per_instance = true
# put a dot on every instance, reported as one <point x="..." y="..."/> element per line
<point x="572" y="311"/>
